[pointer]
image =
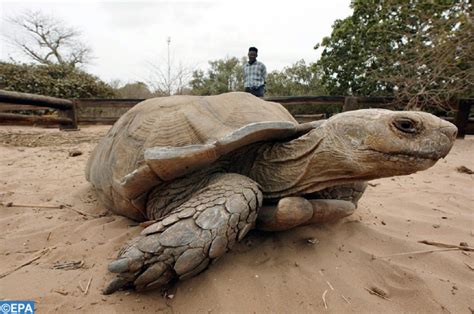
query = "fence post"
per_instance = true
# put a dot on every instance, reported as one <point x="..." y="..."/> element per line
<point x="462" y="117"/>
<point x="70" y="113"/>
<point x="350" y="103"/>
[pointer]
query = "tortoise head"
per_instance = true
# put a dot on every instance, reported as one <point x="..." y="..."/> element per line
<point x="354" y="146"/>
<point x="375" y="143"/>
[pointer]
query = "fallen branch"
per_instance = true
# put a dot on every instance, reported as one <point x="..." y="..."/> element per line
<point x="330" y="286"/>
<point x="469" y="266"/>
<point x="374" y="292"/>
<point x="415" y="252"/>
<point x="345" y="299"/>
<point x="464" y="169"/>
<point x="69" y="265"/>
<point x="80" y="212"/>
<point x="53" y="207"/>
<point x="324" y="299"/>
<point x="80" y="287"/>
<point x="439" y="244"/>
<point x="8" y="272"/>
<point x="88" y="285"/>
<point x="34" y="206"/>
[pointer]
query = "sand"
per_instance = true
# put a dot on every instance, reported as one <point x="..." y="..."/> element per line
<point x="286" y="272"/>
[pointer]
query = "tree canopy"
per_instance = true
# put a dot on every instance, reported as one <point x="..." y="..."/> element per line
<point x="419" y="51"/>
<point x="48" y="40"/>
<point x="295" y="80"/>
<point x="224" y="75"/>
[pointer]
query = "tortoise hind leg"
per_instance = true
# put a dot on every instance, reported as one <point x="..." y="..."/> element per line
<point x="333" y="204"/>
<point x="184" y="243"/>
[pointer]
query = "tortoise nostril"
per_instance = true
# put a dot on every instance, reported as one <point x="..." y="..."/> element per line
<point x="454" y="133"/>
<point x="450" y="131"/>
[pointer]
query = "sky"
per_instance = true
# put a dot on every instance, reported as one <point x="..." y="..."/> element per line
<point x="126" y="37"/>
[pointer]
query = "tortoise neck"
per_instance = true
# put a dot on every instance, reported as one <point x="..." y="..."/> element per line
<point x="279" y="167"/>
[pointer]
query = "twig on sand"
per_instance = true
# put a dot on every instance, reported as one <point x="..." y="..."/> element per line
<point x="69" y="265"/>
<point x="80" y="212"/>
<point x="33" y="205"/>
<point x="415" y="252"/>
<point x="345" y="299"/>
<point x="28" y="262"/>
<point x="464" y="169"/>
<point x="80" y="287"/>
<point x="439" y="244"/>
<point x="375" y="292"/>
<point x="88" y="285"/>
<point x="469" y="266"/>
<point x="52" y="207"/>
<point x="324" y="299"/>
<point x="61" y="292"/>
<point x="330" y="286"/>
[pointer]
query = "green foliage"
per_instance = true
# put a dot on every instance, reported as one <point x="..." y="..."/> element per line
<point x="225" y="75"/>
<point x="52" y="80"/>
<point x="137" y="90"/>
<point x="296" y="80"/>
<point x="419" y="51"/>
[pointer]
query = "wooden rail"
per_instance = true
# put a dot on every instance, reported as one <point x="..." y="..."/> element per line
<point x="66" y="109"/>
<point x="107" y="111"/>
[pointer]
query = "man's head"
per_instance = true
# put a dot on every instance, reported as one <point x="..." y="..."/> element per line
<point x="253" y="53"/>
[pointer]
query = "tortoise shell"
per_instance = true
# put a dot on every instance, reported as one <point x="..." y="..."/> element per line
<point x="161" y="139"/>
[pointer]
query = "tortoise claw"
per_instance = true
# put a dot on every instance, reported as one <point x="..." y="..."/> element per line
<point x="116" y="284"/>
<point x="119" y="266"/>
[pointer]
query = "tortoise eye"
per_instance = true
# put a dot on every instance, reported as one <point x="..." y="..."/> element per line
<point x="405" y="125"/>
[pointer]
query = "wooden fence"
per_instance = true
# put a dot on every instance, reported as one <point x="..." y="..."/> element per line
<point x="13" y="101"/>
<point x="107" y="111"/>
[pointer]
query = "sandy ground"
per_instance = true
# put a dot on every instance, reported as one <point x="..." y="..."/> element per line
<point x="287" y="272"/>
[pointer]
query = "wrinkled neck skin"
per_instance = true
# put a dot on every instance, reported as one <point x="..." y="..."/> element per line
<point x="304" y="165"/>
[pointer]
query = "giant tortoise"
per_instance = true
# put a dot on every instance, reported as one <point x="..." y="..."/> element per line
<point x="203" y="171"/>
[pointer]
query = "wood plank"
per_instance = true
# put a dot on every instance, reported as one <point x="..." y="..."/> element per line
<point x="36" y="100"/>
<point x="306" y="99"/>
<point x="15" y="107"/>
<point x="32" y="119"/>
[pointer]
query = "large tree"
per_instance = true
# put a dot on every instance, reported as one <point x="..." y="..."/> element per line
<point x="136" y="90"/>
<point x="295" y="80"/>
<point x="224" y="75"/>
<point x="419" y="51"/>
<point x="48" y="40"/>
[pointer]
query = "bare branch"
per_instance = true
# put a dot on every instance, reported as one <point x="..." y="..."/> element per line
<point x="47" y="40"/>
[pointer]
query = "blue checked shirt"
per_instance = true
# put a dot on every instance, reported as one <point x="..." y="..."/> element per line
<point x="254" y="74"/>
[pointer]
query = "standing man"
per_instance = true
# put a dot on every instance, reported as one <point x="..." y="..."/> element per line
<point x="255" y="74"/>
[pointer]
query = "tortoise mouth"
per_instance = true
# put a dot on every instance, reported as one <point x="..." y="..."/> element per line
<point x="408" y="156"/>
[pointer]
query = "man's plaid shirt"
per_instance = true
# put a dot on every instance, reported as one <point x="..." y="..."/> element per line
<point x="254" y="74"/>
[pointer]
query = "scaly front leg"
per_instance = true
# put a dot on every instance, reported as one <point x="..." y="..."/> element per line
<point x="184" y="243"/>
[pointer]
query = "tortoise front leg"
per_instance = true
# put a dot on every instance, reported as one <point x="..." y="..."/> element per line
<point x="184" y="243"/>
